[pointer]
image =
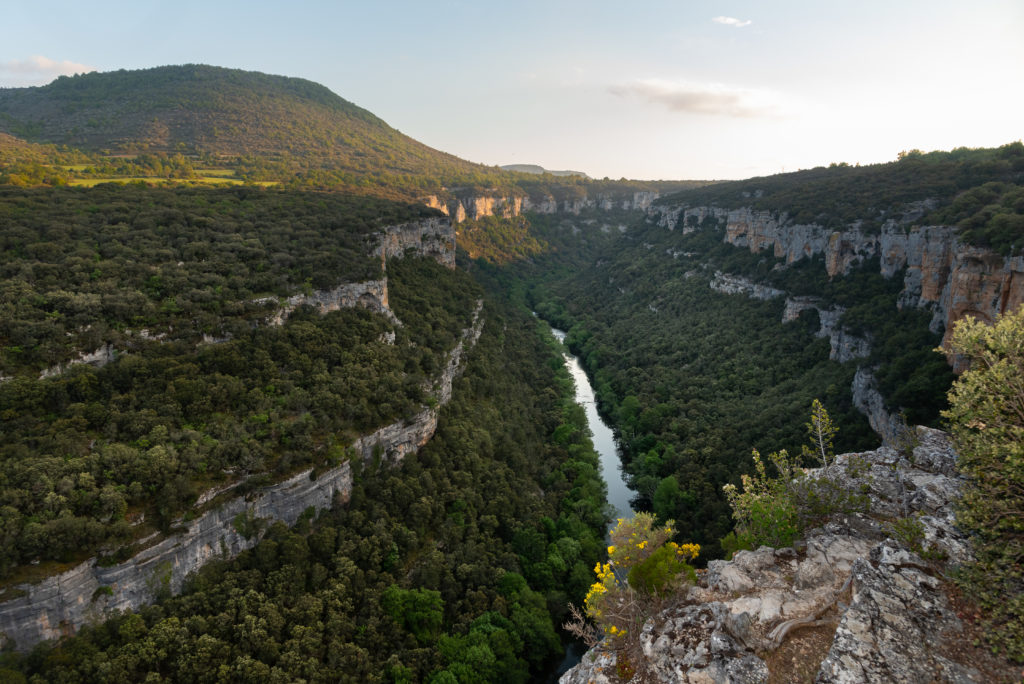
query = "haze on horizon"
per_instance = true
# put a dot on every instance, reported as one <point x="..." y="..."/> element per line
<point x="659" y="90"/>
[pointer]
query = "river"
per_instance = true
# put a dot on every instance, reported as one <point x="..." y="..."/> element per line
<point x="604" y="439"/>
<point x="611" y="469"/>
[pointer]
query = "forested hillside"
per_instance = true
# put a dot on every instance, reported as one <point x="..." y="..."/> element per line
<point x="977" y="190"/>
<point x="226" y="112"/>
<point x="461" y="559"/>
<point x="176" y="288"/>
<point x="201" y="124"/>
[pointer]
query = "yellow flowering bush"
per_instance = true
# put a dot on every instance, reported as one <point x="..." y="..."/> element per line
<point x="642" y="566"/>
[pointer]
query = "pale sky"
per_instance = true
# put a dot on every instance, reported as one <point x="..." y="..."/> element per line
<point x="646" y="89"/>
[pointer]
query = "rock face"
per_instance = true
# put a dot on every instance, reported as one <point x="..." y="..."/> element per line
<point x="59" y="605"/>
<point x="941" y="274"/>
<point x="372" y="295"/>
<point x="886" y="603"/>
<point x="844" y="345"/>
<point x="433" y="238"/>
<point x="461" y="207"/>
<point x="99" y="358"/>
<point x="734" y="284"/>
<point x="871" y="403"/>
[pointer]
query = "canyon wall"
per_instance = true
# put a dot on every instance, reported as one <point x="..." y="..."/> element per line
<point x="88" y="592"/>
<point x="942" y="275"/>
<point x="462" y="207"/>
<point x="433" y="238"/>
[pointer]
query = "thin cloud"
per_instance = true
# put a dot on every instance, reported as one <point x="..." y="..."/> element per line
<point x="732" y="21"/>
<point x="37" y="70"/>
<point x="702" y="98"/>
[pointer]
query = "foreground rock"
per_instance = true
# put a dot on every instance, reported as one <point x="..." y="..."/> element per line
<point x="862" y="575"/>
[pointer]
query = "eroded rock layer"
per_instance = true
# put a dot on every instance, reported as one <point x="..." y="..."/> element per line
<point x="942" y="275"/>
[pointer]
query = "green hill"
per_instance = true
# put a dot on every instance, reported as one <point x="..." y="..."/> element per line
<point x="281" y="125"/>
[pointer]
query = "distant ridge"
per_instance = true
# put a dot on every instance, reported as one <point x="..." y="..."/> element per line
<point x="534" y="168"/>
<point x="197" y="108"/>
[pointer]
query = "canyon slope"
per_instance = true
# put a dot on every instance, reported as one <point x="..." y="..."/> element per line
<point x="59" y="605"/>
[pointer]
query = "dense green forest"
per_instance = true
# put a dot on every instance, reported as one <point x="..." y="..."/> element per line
<point x="693" y="379"/>
<point x="89" y="452"/>
<point x="456" y="565"/>
<point x="79" y="267"/>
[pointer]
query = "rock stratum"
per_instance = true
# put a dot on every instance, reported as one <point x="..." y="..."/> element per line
<point x="60" y="604"/>
<point x="461" y="207"/>
<point x="940" y="273"/>
<point x="883" y="605"/>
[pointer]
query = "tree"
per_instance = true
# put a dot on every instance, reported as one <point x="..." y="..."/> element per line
<point x="643" y="568"/>
<point x="822" y="432"/>
<point x="421" y="611"/>
<point x="986" y="417"/>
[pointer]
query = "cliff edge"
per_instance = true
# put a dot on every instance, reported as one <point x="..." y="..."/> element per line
<point x="862" y="598"/>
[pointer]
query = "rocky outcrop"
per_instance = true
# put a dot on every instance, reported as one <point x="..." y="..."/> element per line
<point x="885" y="602"/>
<point x="61" y="604"/>
<point x="896" y="627"/>
<point x="372" y="295"/>
<point x="433" y="238"/>
<point x="462" y="207"/>
<point x="99" y="358"/>
<point x="940" y="274"/>
<point x="843" y="345"/>
<point x="727" y="283"/>
<point x="871" y="403"/>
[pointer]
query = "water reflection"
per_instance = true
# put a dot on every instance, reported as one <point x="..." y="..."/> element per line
<point x="604" y="439"/>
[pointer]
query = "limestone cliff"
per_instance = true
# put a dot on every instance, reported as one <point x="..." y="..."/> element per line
<point x="371" y="294"/>
<point x="460" y="207"/>
<point x="61" y="604"/>
<point x="884" y="605"/>
<point x="942" y="274"/>
<point x="433" y="238"/>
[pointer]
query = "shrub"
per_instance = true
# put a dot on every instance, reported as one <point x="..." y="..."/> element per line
<point x="764" y="511"/>
<point x="986" y="418"/>
<point x="643" y="568"/>
<point x="775" y="511"/>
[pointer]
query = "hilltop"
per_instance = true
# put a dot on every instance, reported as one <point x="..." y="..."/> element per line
<point x="197" y="108"/>
<point x="540" y="170"/>
<point x="204" y="124"/>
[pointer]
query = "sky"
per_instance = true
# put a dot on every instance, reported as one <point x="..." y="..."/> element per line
<point x="680" y="89"/>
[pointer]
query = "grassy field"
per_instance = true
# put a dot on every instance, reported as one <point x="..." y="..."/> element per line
<point x="206" y="179"/>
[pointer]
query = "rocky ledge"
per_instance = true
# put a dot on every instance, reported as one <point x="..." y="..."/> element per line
<point x="872" y="582"/>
